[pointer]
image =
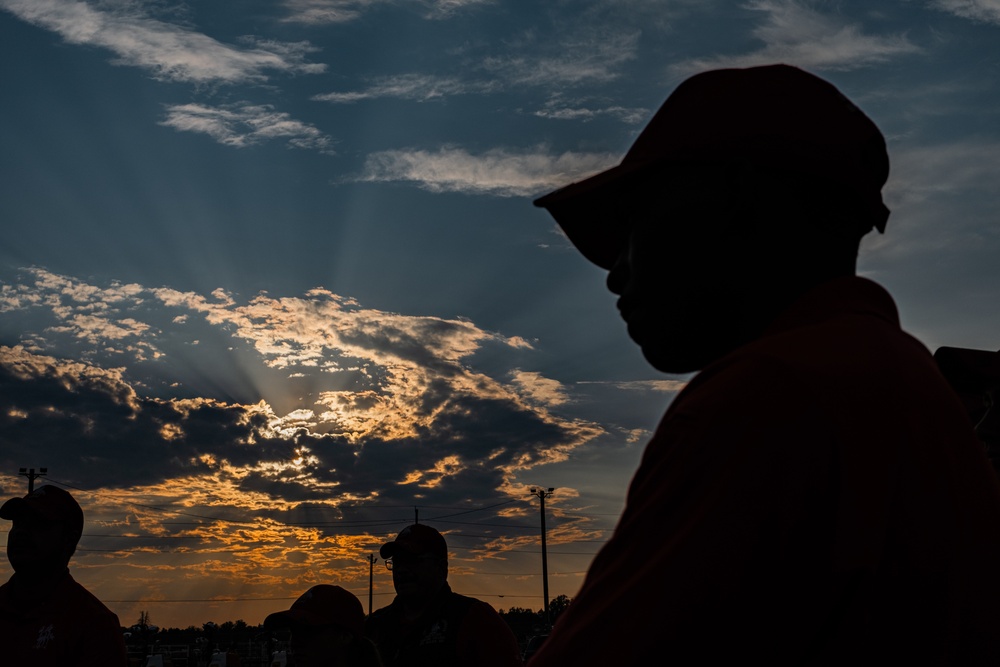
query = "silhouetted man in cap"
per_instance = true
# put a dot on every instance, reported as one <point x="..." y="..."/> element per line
<point x="327" y="629"/>
<point x="46" y="618"/>
<point x="815" y="495"/>
<point x="429" y="625"/>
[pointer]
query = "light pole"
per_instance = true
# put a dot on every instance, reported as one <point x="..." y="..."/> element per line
<point x="32" y="476"/>
<point x="371" y="580"/>
<point x="542" y="495"/>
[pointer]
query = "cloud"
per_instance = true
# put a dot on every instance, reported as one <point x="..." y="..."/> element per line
<point x="392" y="397"/>
<point x="557" y="109"/>
<point x="322" y="12"/>
<point x="170" y="52"/>
<point x="541" y="390"/>
<point x="952" y="169"/>
<point x="987" y="11"/>
<point x="944" y="195"/>
<point x="245" y="124"/>
<point x="420" y="87"/>
<point x="589" y="56"/>
<point x="796" y="34"/>
<point x="645" y="385"/>
<point x="446" y="8"/>
<point x="498" y="172"/>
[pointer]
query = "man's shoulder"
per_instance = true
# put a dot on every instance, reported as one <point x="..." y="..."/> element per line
<point x="467" y="603"/>
<point x="840" y="336"/>
<point x="382" y="616"/>
<point x="77" y="598"/>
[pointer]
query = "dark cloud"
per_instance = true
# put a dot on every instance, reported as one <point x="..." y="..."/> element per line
<point x="93" y="430"/>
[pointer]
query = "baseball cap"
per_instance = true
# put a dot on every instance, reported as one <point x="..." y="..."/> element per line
<point x="417" y="539"/>
<point x="324" y="604"/>
<point x="48" y="502"/>
<point x="774" y="116"/>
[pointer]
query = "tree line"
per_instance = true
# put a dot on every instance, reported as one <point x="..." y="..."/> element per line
<point x="144" y="636"/>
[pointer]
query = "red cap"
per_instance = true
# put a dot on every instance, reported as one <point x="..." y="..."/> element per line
<point x="417" y="539"/>
<point x="774" y="116"/>
<point x="323" y="605"/>
<point x="46" y="502"/>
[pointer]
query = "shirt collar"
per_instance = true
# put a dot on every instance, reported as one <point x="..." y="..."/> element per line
<point x="840" y="296"/>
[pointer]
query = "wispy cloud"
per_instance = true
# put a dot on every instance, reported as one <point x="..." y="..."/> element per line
<point x="795" y="33"/>
<point x="645" y="385"/>
<point x="590" y="56"/>
<point x="498" y="172"/>
<point x="559" y="109"/>
<point x="987" y="11"/>
<point x="919" y="173"/>
<point x="167" y="51"/>
<point x="446" y="8"/>
<point x="322" y="12"/>
<point x="420" y="87"/>
<point x="944" y="195"/>
<point x="246" y="124"/>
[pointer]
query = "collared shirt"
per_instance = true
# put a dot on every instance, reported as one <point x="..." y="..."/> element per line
<point x="453" y="630"/>
<point x="817" y="496"/>
<point x="67" y="626"/>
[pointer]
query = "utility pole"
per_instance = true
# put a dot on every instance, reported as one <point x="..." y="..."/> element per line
<point x="542" y="495"/>
<point x="371" y="580"/>
<point x="32" y="476"/>
<point x="416" y="515"/>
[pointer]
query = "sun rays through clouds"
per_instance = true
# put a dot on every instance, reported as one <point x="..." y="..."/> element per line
<point x="381" y="399"/>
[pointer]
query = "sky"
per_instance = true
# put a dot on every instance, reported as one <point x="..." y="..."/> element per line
<point x="272" y="286"/>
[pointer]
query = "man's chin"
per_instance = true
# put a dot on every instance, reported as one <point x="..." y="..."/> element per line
<point x="679" y="352"/>
<point x="27" y="562"/>
<point x="407" y="591"/>
<point x="673" y="357"/>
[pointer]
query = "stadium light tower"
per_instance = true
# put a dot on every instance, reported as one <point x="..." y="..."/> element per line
<point x="32" y="476"/>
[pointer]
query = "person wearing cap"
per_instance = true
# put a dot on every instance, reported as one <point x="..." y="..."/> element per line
<point x="429" y="625"/>
<point x="327" y="629"/>
<point x="815" y="494"/>
<point x="47" y="619"/>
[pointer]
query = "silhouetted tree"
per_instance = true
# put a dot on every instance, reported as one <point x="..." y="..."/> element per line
<point x="524" y="623"/>
<point x="558" y="605"/>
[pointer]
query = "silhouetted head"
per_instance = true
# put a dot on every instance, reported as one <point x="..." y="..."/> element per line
<point x="419" y="561"/>
<point x="47" y="526"/>
<point x="748" y="187"/>
<point x="326" y="624"/>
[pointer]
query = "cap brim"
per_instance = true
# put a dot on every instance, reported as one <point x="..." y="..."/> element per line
<point x="13" y="509"/>
<point x="589" y="212"/>
<point x="390" y="549"/>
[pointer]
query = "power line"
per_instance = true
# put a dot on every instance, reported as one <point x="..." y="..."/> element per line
<point x="506" y="502"/>
<point x="279" y="599"/>
<point x="305" y="523"/>
<point x="355" y="523"/>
